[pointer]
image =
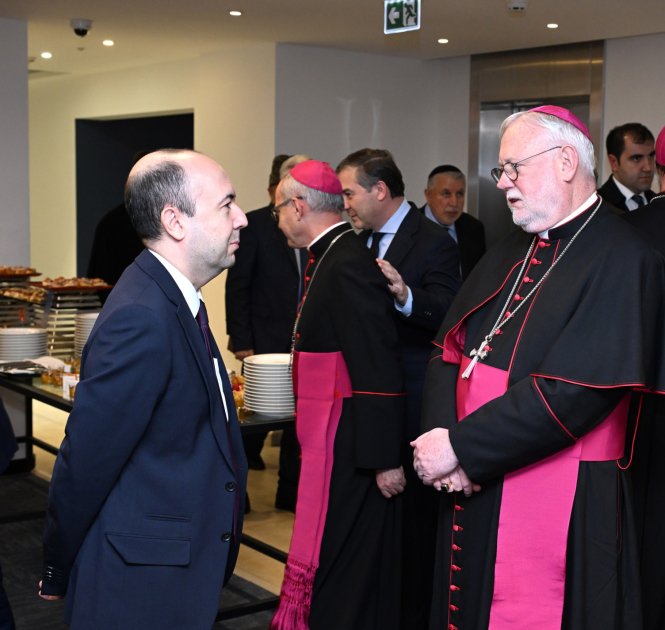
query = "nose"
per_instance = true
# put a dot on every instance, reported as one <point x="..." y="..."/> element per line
<point x="240" y="218"/>
<point x="347" y="205"/>
<point x="504" y="182"/>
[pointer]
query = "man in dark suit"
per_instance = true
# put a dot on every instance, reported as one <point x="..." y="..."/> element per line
<point x="445" y="193"/>
<point x="144" y="515"/>
<point x="421" y="264"/>
<point x="630" y="151"/>
<point x="648" y="471"/>
<point x="8" y="447"/>
<point x="262" y="294"/>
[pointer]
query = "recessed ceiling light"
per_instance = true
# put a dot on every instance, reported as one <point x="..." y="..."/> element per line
<point x="46" y="55"/>
<point x="235" y="13"/>
<point x="443" y="40"/>
<point x="108" y="42"/>
<point x="552" y="25"/>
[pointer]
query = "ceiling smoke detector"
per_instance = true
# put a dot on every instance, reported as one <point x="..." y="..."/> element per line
<point x="517" y="6"/>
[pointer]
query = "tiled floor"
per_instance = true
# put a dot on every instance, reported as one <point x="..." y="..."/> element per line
<point x="264" y="522"/>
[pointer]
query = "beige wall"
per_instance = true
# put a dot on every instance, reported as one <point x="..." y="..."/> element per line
<point x="14" y="201"/>
<point x="634" y="90"/>
<point x="332" y="102"/>
<point x="231" y="94"/>
<point x="249" y="103"/>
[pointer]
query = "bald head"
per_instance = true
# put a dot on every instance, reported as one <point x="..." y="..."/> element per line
<point x="182" y="204"/>
<point x="157" y="180"/>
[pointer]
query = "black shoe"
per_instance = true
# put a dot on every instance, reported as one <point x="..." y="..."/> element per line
<point x="256" y="463"/>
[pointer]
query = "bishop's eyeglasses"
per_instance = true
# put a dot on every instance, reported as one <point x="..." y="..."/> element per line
<point x="276" y="209"/>
<point x="510" y="168"/>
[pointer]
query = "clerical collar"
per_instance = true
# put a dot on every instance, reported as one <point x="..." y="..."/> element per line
<point x="189" y="292"/>
<point x="587" y="205"/>
<point x="323" y="240"/>
<point x="320" y="236"/>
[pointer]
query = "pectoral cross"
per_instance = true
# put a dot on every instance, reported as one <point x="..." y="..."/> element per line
<point x="477" y="354"/>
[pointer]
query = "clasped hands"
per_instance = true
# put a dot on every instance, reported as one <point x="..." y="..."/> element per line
<point x="436" y="464"/>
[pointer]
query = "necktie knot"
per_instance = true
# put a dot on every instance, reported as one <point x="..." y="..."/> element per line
<point x="638" y="199"/>
<point x="374" y="247"/>
<point x="202" y="315"/>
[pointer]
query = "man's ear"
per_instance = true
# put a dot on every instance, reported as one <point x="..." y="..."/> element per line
<point x="614" y="162"/>
<point x="299" y="207"/>
<point x="382" y="191"/>
<point x="568" y="161"/>
<point x="173" y="222"/>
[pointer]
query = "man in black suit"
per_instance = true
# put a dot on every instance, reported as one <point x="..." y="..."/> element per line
<point x="631" y="153"/>
<point x="421" y="264"/>
<point x="445" y="192"/>
<point x="648" y="470"/>
<point x="262" y="294"/>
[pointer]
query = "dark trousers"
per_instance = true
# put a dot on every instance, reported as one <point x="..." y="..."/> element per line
<point x="289" y="471"/>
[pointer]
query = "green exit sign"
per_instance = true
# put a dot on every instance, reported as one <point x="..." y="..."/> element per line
<point x="400" y="16"/>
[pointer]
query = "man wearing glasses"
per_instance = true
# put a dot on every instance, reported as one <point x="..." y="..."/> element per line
<point x="526" y="400"/>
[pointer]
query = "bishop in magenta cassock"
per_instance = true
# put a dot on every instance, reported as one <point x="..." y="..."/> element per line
<point x="527" y="397"/>
<point x="344" y="558"/>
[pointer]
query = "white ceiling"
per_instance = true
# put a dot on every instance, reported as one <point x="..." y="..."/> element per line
<point x="151" y="31"/>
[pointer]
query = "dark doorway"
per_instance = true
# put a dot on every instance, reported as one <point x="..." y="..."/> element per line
<point x="105" y="151"/>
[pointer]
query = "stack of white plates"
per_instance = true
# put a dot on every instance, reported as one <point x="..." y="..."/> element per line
<point x="82" y="326"/>
<point x="268" y="384"/>
<point x="17" y="344"/>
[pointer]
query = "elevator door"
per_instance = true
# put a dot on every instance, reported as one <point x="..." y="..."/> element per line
<point x="492" y="208"/>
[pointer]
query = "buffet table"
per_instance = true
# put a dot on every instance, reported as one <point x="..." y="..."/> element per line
<point x="31" y="388"/>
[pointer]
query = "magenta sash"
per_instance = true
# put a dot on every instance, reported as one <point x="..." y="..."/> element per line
<point x="321" y="382"/>
<point x="536" y="505"/>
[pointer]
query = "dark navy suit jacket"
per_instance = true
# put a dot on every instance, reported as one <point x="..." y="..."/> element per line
<point x="144" y="510"/>
<point x="427" y="258"/>
<point x="610" y="192"/>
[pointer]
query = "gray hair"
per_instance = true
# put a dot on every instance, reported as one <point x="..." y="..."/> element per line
<point x="318" y="201"/>
<point x="560" y="132"/>
<point x="289" y="163"/>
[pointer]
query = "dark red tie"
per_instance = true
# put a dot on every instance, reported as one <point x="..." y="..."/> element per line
<point x="202" y="321"/>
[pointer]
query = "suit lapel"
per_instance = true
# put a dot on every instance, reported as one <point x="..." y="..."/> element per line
<point x="192" y="333"/>
<point x="217" y="416"/>
<point x="404" y="239"/>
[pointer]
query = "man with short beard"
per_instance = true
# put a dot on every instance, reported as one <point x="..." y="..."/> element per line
<point x="526" y="400"/>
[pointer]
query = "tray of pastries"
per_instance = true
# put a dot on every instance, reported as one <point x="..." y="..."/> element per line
<point x="17" y="272"/>
<point x="73" y="284"/>
<point x="32" y="294"/>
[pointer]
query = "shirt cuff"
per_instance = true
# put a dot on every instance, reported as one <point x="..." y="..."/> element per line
<point x="408" y="305"/>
